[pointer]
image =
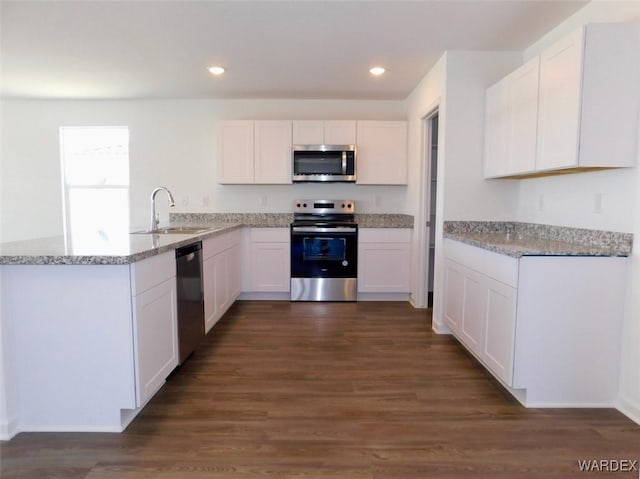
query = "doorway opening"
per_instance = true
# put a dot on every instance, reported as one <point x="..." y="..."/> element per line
<point x="431" y="159"/>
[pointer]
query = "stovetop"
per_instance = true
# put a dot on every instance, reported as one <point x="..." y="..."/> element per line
<point x="324" y="213"/>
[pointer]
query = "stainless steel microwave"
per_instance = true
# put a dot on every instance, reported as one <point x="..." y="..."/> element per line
<point x="318" y="163"/>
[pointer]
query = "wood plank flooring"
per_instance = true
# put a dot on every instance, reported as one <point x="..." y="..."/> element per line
<point x="331" y="390"/>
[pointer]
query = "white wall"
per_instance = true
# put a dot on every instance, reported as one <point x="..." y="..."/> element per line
<point x="457" y="85"/>
<point x="569" y="200"/>
<point x="172" y="143"/>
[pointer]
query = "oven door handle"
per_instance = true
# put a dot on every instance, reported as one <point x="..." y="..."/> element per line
<point x="316" y="229"/>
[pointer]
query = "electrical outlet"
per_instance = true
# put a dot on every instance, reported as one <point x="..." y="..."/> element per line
<point x="378" y="200"/>
<point x="184" y="200"/>
<point x="541" y="203"/>
<point x="263" y="200"/>
<point x="205" y="200"/>
<point x="597" y="204"/>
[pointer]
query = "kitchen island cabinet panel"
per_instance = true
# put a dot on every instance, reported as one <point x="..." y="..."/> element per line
<point x="73" y="348"/>
<point x="92" y="343"/>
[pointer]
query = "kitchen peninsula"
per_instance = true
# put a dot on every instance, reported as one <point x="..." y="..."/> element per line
<point x="92" y="327"/>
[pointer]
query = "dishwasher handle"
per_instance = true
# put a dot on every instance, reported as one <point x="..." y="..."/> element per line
<point x="188" y="250"/>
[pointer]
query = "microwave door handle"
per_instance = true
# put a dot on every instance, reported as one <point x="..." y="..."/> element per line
<point x="344" y="162"/>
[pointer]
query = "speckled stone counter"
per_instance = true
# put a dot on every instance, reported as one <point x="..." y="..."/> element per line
<point x="111" y="250"/>
<point x="528" y="239"/>
<point x="282" y="220"/>
<point x="129" y="248"/>
<point x="253" y="220"/>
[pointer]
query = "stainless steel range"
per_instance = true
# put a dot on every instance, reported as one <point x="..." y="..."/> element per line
<point x="324" y="251"/>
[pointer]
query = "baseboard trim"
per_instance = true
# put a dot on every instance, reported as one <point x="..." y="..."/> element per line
<point x="8" y="429"/>
<point x="629" y="408"/>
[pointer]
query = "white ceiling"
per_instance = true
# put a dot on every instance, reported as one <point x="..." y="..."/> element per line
<point x="286" y="49"/>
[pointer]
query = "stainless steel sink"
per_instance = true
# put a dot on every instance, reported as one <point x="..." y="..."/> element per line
<point x="176" y="230"/>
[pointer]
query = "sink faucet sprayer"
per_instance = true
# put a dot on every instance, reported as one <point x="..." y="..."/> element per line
<point x="154" y="215"/>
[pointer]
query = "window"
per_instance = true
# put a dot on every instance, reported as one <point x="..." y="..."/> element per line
<point x="95" y="175"/>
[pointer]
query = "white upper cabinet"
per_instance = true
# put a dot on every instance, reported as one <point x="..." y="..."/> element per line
<point x="235" y="151"/>
<point x="559" y="119"/>
<point x="495" y="131"/>
<point x="324" y="132"/>
<point x="587" y="100"/>
<point x="522" y="118"/>
<point x="382" y="153"/>
<point x="272" y="153"/>
<point x="254" y="152"/>
<point x="511" y="116"/>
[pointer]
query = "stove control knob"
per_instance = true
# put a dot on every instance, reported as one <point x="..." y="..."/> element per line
<point x="343" y="205"/>
<point x="345" y="263"/>
<point x="297" y="205"/>
<point x="349" y="206"/>
<point x="304" y="205"/>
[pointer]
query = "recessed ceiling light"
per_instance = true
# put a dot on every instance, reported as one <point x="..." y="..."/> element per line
<point x="377" y="71"/>
<point x="216" y="70"/>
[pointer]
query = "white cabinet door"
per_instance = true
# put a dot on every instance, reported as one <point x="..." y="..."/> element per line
<point x="511" y="117"/>
<point x="306" y="132"/>
<point x="522" y="119"/>
<point x="155" y="338"/>
<point x="559" y="103"/>
<point x="382" y="153"/>
<point x="384" y="260"/>
<point x="473" y="311"/>
<point x="498" y="350"/>
<point x="272" y="154"/>
<point x="216" y="289"/>
<point x="269" y="260"/>
<point x="340" y="132"/>
<point x="234" y="272"/>
<point x="453" y="295"/>
<point x="495" y="132"/>
<point x="235" y="152"/>
<point x="328" y="132"/>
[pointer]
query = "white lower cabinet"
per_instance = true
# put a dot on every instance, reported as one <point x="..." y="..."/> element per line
<point x="548" y="327"/>
<point x="269" y="259"/>
<point x="384" y="260"/>
<point x="221" y="275"/>
<point x="156" y="338"/>
<point x="155" y="324"/>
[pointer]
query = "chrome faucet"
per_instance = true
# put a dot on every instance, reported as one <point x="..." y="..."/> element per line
<point x="154" y="215"/>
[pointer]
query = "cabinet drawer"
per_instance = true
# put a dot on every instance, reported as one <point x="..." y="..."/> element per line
<point x="234" y="236"/>
<point x="269" y="235"/>
<point x="501" y="268"/>
<point x="214" y="245"/>
<point x="494" y="265"/>
<point x="152" y="271"/>
<point x="465" y="254"/>
<point x="384" y="235"/>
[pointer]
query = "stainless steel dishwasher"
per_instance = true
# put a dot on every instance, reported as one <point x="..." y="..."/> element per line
<point x="190" y="298"/>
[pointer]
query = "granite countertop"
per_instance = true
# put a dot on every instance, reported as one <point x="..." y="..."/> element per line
<point x="526" y="239"/>
<point x="115" y="249"/>
<point x="283" y="220"/>
<point x="124" y="248"/>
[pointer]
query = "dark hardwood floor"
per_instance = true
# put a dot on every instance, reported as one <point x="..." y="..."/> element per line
<point x="328" y="390"/>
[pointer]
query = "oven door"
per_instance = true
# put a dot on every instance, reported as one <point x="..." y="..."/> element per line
<point x="324" y="252"/>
